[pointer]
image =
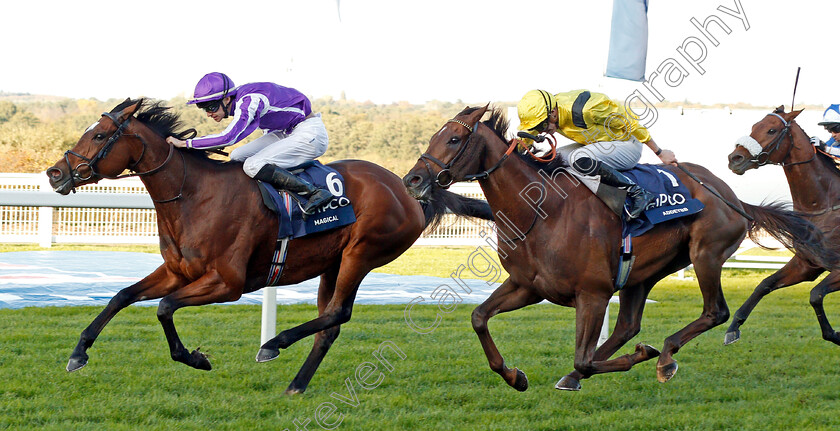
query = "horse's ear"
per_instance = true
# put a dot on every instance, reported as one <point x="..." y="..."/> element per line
<point x="476" y="115"/>
<point x="780" y="110"/>
<point x="129" y="110"/>
<point x="793" y="114"/>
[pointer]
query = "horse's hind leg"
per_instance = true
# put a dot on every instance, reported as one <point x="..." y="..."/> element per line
<point x="794" y="272"/>
<point x="157" y="284"/>
<point x="589" y="316"/>
<point x="507" y="297"/>
<point x="210" y="288"/>
<point x="627" y="325"/>
<point x="337" y="311"/>
<point x="323" y="339"/>
<point x="715" y="312"/>
<point x="830" y="283"/>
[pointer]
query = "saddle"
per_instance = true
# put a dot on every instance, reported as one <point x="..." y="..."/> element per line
<point x="673" y="198"/>
<point x="339" y="212"/>
<point x="673" y="201"/>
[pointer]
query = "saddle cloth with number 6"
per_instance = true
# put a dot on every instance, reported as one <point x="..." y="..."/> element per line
<point x="338" y="213"/>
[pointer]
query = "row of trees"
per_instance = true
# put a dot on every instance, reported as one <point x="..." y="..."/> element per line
<point x="36" y="133"/>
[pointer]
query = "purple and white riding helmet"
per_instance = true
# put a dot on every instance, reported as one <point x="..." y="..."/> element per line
<point x="213" y="86"/>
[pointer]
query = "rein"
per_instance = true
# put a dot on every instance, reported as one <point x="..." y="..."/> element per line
<point x="89" y="163"/>
<point x="446" y="167"/>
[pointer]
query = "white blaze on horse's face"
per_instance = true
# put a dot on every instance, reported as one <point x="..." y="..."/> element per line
<point x="443" y="129"/>
<point x="91" y="127"/>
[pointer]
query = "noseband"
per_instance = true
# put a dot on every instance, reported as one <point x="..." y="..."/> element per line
<point x="446" y="167"/>
<point x="762" y="157"/>
<point x="89" y="163"/>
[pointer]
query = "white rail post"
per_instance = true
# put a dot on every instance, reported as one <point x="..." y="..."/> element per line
<point x="269" y="314"/>
<point x="45" y="218"/>
<point x="605" y="327"/>
<point x="45" y="223"/>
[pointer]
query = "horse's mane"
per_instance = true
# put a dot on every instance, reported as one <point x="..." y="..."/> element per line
<point x="163" y="121"/>
<point x="499" y="124"/>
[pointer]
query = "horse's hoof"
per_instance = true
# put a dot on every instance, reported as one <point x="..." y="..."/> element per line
<point x="665" y="372"/>
<point x="292" y="392"/>
<point x="568" y="383"/>
<point x="76" y="363"/>
<point x="521" y="381"/>
<point x="648" y="351"/>
<point x="199" y="361"/>
<point x="265" y="355"/>
<point x="731" y="337"/>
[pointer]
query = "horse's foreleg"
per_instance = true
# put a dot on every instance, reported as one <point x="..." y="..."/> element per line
<point x="829" y="284"/>
<point x="323" y="339"/>
<point x="156" y="285"/>
<point x="715" y="312"/>
<point x="208" y="289"/>
<point x="627" y="325"/>
<point x="794" y="272"/>
<point x="507" y="297"/>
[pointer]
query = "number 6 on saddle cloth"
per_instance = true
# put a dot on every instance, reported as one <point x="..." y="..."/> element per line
<point x="337" y="213"/>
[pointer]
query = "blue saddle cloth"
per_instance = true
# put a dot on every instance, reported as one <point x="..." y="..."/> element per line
<point x="338" y="213"/>
<point x="673" y="198"/>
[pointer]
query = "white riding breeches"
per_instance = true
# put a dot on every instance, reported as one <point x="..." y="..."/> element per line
<point x="307" y="141"/>
<point x="620" y="155"/>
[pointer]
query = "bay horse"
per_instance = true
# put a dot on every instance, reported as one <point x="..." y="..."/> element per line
<point x="564" y="246"/>
<point x="217" y="238"/>
<point x="815" y="190"/>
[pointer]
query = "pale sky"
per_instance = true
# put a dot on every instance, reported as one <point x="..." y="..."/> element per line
<point x="476" y="51"/>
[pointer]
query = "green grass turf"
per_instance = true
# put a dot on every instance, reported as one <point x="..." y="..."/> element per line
<point x="781" y="375"/>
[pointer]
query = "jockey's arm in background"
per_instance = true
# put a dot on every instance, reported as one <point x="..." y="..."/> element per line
<point x="630" y="126"/>
<point x="178" y="143"/>
<point x="667" y="156"/>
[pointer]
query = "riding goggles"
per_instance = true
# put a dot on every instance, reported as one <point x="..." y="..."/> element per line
<point x="833" y="128"/>
<point x="210" y="107"/>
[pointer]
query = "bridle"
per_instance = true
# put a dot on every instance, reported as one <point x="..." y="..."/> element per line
<point x="89" y="163"/>
<point x="446" y="167"/>
<point x="762" y="157"/>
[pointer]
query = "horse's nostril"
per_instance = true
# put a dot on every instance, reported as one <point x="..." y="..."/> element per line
<point x="54" y="173"/>
<point x="413" y="180"/>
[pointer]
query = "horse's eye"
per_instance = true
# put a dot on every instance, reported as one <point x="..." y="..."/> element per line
<point x="99" y="136"/>
<point x="771" y="132"/>
<point x="454" y="140"/>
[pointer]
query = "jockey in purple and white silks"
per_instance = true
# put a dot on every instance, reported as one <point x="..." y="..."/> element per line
<point x="292" y="133"/>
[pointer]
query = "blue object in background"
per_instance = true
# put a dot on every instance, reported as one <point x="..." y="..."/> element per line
<point x="628" y="40"/>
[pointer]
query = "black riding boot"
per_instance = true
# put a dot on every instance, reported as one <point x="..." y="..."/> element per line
<point x="640" y="198"/>
<point x="283" y="179"/>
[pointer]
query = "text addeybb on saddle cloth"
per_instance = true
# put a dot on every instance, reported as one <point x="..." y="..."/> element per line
<point x="673" y="198"/>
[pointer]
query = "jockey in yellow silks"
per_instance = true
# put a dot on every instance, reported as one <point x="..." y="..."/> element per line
<point x="608" y="139"/>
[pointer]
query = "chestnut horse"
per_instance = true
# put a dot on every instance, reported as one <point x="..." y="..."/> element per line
<point x="566" y="248"/>
<point x="815" y="188"/>
<point x="217" y="238"/>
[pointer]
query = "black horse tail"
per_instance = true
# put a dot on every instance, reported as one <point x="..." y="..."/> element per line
<point x="441" y="202"/>
<point x="792" y="231"/>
